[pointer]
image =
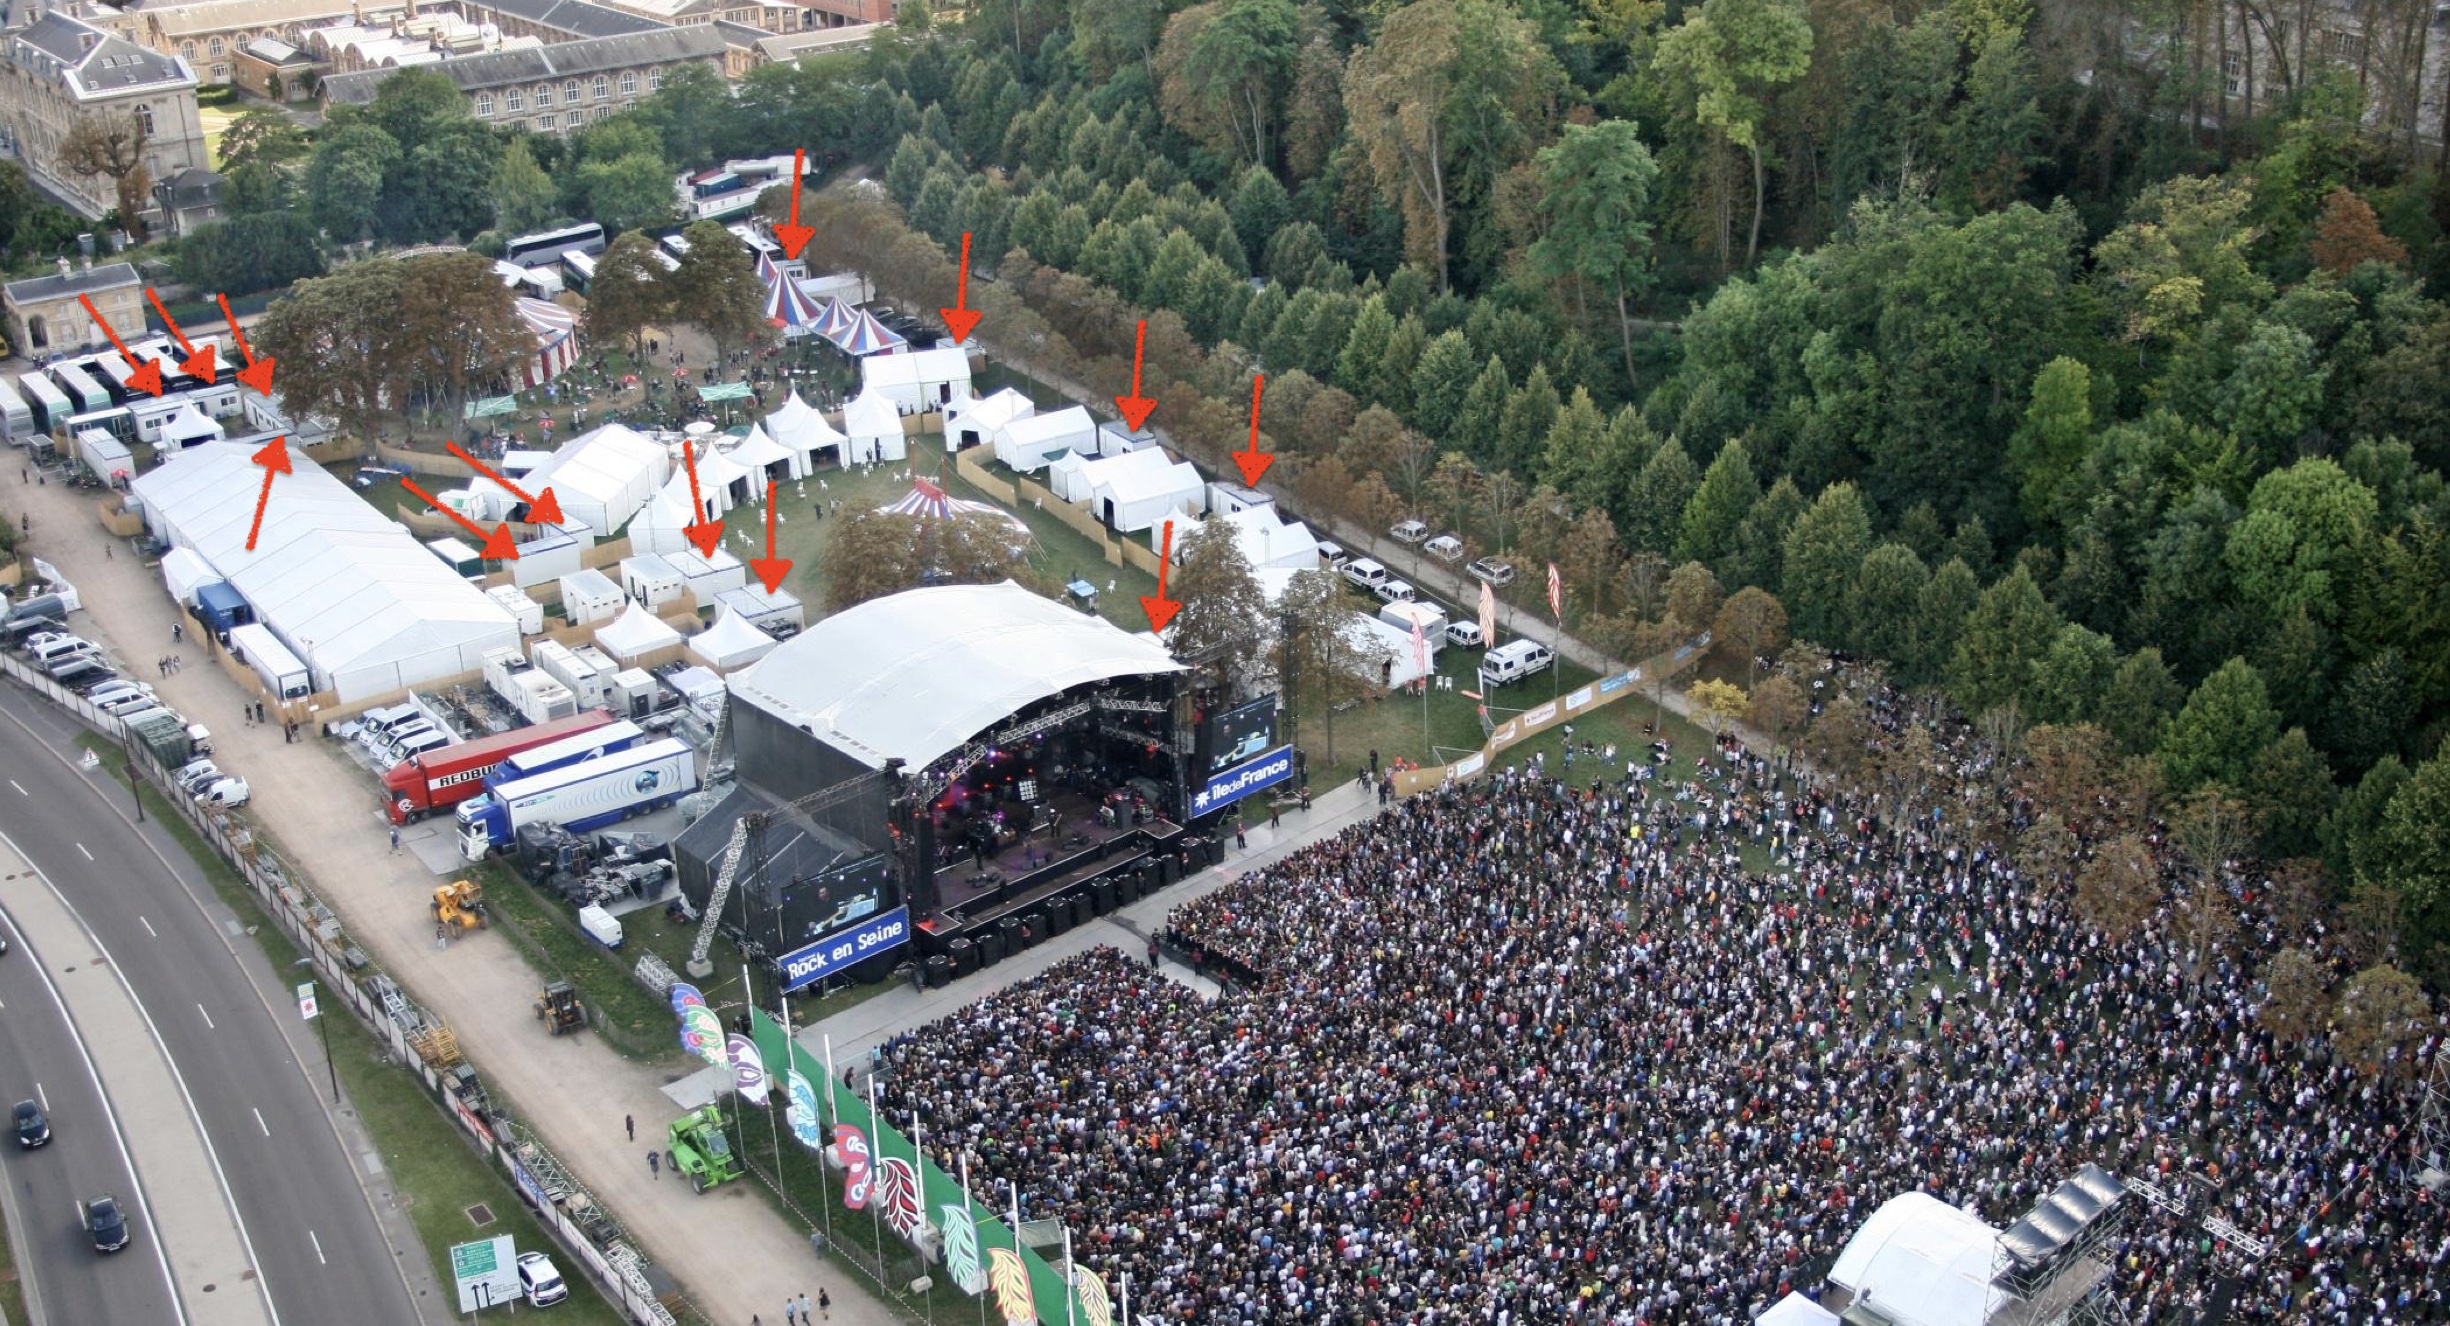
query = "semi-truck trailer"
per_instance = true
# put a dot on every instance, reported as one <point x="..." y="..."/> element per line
<point x="581" y="796"/>
<point x="612" y="738"/>
<point x="438" y="780"/>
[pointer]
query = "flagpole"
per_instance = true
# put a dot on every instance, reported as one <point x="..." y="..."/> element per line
<point x="918" y="1166"/>
<point x="1070" y="1284"/>
<point x="825" y="1202"/>
<point x="1126" y="1298"/>
<point x="876" y="1148"/>
<point x="970" y="1213"/>
<point x="774" y="1128"/>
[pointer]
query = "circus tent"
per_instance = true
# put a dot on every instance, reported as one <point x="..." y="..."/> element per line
<point x="866" y="336"/>
<point x="787" y="306"/>
<point x="835" y="320"/>
<point x="556" y="331"/>
<point x="929" y="501"/>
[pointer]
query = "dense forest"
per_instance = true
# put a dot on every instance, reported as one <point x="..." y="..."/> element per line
<point x="2082" y="363"/>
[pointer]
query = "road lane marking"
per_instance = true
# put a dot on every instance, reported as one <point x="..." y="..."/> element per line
<point x="319" y="1257"/>
<point x="259" y="1120"/>
<point x="21" y="791"/>
<point x="88" y="855"/>
<point x="208" y="1019"/>
<point x="43" y="1096"/>
<point x="148" y="925"/>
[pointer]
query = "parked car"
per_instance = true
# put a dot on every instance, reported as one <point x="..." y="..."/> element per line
<point x="120" y="703"/>
<point x="104" y="1224"/>
<point x="1513" y="661"/>
<point x="1398" y="591"/>
<point x="229" y="794"/>
<point x="1366" y="573"/>
<point x="1408" y="531"/>
<point x="1464" y="635"/>
<point x="197" y="775"/>
<point x="1445" y="547"/>
<point x="1332" y="555"/>
<point x="1492" y="570"/>
<point x="33" y="1126"/>
<point x="540" y="1281"/>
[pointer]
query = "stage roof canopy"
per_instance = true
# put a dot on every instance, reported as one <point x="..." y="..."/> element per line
<point x="914" y="675"/>
<point x="1920" y="1262"/>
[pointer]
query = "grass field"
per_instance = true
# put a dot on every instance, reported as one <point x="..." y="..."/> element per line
<point x="12" y="1290"/>
<point x="435" y="1169"/>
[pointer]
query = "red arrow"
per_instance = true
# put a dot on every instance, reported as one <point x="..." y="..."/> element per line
<point x="961" y="319"/>
<point x="199" y="363"/>
<point x="706" y="534"/>
<point x="1254" y="462"/>
<point x="1159" y="608"/>
<point x="498" y="545"/>
<point x="148" y="374"/>
<point x="275" y="459"/>
<point x="1136" y="407"/>
<point x="769" y="568"/>
<point x="793" y="236"/>
<point x="540" y="510"/>
<point x="258" y="372"/>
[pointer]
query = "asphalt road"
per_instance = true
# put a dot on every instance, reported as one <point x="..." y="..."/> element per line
<point x="41" y="1059"/>
<point x="217" y="1004"/>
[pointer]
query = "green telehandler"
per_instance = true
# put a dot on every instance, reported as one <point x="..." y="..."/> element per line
<point x="701" y="1151"/>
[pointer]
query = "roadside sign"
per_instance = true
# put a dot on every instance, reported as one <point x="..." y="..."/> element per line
<point x="306" y="1001"/>
<point x="486" y="1273"/>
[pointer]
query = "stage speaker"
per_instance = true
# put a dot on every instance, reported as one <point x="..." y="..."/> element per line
<point x="990" y="948"/>
<point x="1058" y="917"/>
<point x="1081" y="911"/>
<point x="1216" y="851"/>
<point x="1014" y="939"/>
<point x="1126" y="889"/>
<point x="1101" y="893"/>
<point x="939" y="971"/>
<point x="1033" y="929"/>
<point x="965" y="957"/>
<point x="1169" y="867"/>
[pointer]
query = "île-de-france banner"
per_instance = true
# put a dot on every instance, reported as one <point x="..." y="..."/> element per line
<point x="980" y="1253"/>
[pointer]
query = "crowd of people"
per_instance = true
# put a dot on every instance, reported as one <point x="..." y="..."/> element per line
<point x="1526" y="1052"/>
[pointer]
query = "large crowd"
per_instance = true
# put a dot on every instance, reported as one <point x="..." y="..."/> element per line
<point x="1525" y="1052"/>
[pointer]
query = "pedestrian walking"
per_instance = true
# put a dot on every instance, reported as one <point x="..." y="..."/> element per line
<point x="630" y="1122"/>
<point x="791" y="1312"/>
<point x="395" y="851"/>
<point x="1276" y="812"/>
<point x="1155" y="958"/>
<point x="825" y="1304"/>
<point x="246" y="712"/>
<point x="177" y="630"/>
<point x="655" y="1163"/>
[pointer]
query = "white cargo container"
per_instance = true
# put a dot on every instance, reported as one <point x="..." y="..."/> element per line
<point x="283" y="672"/>
<point x="590" y="596"/>
<point x="650" y="580"/>
<point x="562" y="664"/>
<point x="634" y="693"/>
<point x="707" y="577"/>
<point x="540" y="699"/>
<point x="524" y="610"/>
<point x="601" y="926"/>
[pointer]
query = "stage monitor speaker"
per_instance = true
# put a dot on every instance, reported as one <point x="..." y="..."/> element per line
<point x="1058" y="917"/>
<point x="1101" y="894"/>
<point x="1126" y="889"/>
<point x="1081" y="910"/>
<point x="1033" y="929"/>
<point x="1216" y="851"/>
<point x="1014" y="940"/>
<point x="964" y="955"/>
<point x="939" y="971"/>
<point x="1169" y="869"/>
<point x="990" y="948"/>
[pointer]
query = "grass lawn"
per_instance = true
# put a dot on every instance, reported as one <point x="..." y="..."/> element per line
<point x="217" y="120"/>
<point x="433" y="1166"/>
<point x="629" y="1018"/>
<point x="649" y="929"/>
<point x="12" y="1290"/>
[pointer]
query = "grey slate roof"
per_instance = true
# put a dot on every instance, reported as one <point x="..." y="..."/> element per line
<point x="540" y="64"/>
<point x="578" y="17"/>
<point x="111" y="65"/>
<point x="36" y="289"/>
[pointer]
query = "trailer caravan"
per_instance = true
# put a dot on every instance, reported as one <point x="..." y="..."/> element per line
<point x="282" y="671"/>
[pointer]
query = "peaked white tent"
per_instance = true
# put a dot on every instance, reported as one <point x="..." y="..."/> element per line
<point x="1796" y="1310"/>
<point x="730" y="643"/>
<point x="1028" y="444"/>
<point x="766" y="459"/>
<point x="1920" y="1262"/>
<point x="874" y="426"/>
<point x="723" y="482"/>
<point x="188" y="428"/>
<point x="1134" y="491"/>
<point x="919" y="380"/>
<point x="658" y="527"/>
<point x="638" y="637"/>
<point x="804" y="431"/>
<point x="1266" y="539"/>
<point x="976" y="422"/>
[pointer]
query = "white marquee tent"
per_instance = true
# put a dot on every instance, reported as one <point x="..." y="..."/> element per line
<point x="1267" y="539"/>
<point x="730" y="643"/>
<point x="1027" y="444"/>
<point x="976" y="422"/>
<point x="915" y="674"/>
<point x="636" y="635"/>
<point x="1920" y="1262"/>
<point x="343" y="586"/>
<point x="804" y="431"/>
<point x="920" y="380"/>
<point x="1131" y="492"/>
<point x="874" y="426"/>
<point x="1796" y="1310"/>
<point x="767" y="461"/>
<point x="600" y="479"/>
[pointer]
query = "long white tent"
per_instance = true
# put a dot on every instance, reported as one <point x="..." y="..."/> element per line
<point x="347" y="589"/>
<point x="599" y="478"/>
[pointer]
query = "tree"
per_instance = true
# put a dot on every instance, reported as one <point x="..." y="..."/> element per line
<point x="2058" y="426"/>
<point x="344" y="181"/>
<point x="875" y="553"/>
<point x="1778" y="709"/>
<point x="2296" y="995"/>
<point x="1693" y="594"/>
<point x="1823" y="550"/>
<point x="2223" y="726"/>
<point x="1944" y="607"/>
<point x="29" y="223"/>
<point x="380" y="336"/>
<point x="443" y="190"/>
<point x="1222" y="69"/>
<point x="1452" y="94"/>
<point x="523" y="195"/>
<point x="1757" y="555"/>
<point x="1440" y="381"/>
<point x="1523" y="429"/>
<point x="2303" y="530"/>
<point x="1574" y="443"/>
<point x="1478" y="422"/>
<point x="1728" y="491"/>
<point x="2409" y="853"/>
<point x="629" y="293"/>
<point x="1716" y="703"/>
<point x="2071" y="676"/>
<point x="1224" y="622"/>
<point x="2349" y="235"/>
<point x="1839" y="738"/>
<point x="2119" y="888"/>
<point x="2009" y="631"/>
<point x="716" y="288"/>
<point x="2141" y="697"/>
<point x="1724" y="59"/>
<point x="631" y="192"/>
<point x="1317" y="649"/>
<point x="1883" y="603"/>
<point x="112" y="145"/>
<point x="1754" y="620"/>
<point x="2272" y="396"/>
<point x="247" y="253"/>
<point x="1654" y="507"/>
<point x="1992" y="140"/>
<point x="2045" y="850"/>
<point x="2290" y="793"/>
<point x="1595" y="186"/>
<point x="1590" y="555"/>
<point x="2382" y="1016"/>
<point x="262" y="134"/>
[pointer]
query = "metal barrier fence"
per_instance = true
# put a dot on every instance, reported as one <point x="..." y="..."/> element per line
<point x="573" y="1215"/>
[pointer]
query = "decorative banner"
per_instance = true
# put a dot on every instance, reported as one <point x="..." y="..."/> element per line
<point x="685" y="997"/>
<point x="900" y="1195"/>
<point x="1095" y="1305"/>
<point x="748" y="1069"/>
<point x="802" y="1113"/>
<point x="1556" y="593"/>
<point x="961" y="1248"/>
<point x="702" y="1034"/>
<point x="1488" y="616"/>
<point x="858" y="1165"/>
<point x="1011" y="1280"/>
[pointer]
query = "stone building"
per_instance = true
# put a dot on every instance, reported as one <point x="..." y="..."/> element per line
<point x="57" y="70"/>
<point x="560" y="88"/>
<point x="45" y="317"/>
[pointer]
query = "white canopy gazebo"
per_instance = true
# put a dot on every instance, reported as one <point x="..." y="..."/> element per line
<point x="874" y="426"/>
<point x="803" y="430"/>
<point x="766" y="460"/>
<point x="639" y="638"/>
<point x="730" y="643"/>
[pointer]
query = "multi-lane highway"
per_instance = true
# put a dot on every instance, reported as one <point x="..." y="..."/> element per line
<point x="217" y="1007"/>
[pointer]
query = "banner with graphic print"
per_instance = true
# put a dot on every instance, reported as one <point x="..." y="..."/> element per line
<point x="880" y="1165"/>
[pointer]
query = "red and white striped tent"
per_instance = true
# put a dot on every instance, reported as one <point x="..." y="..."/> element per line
<point x="556" y="331"/>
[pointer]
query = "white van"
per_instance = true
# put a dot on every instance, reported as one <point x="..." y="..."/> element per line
<point x="1464" y="635"/>
<point x="59" y="647"/>
<point x="1514" y="661"/>
<point x="1445" y="547"/>
<point x="1365" y="573"/>
<point x="1397" y="591"/>
<point x="1409" y="531"/>
<point x="432" y="739"/>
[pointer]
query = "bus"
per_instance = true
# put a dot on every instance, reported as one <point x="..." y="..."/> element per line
<point x="548" y="247"/>
<point x="578" y="270"/>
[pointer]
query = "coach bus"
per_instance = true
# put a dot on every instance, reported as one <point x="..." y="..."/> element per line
<point x="539" y="250"/>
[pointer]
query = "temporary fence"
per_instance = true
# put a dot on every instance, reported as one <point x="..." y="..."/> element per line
<point x="413" y="1038"/>
<point x="1541" y="717"/>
